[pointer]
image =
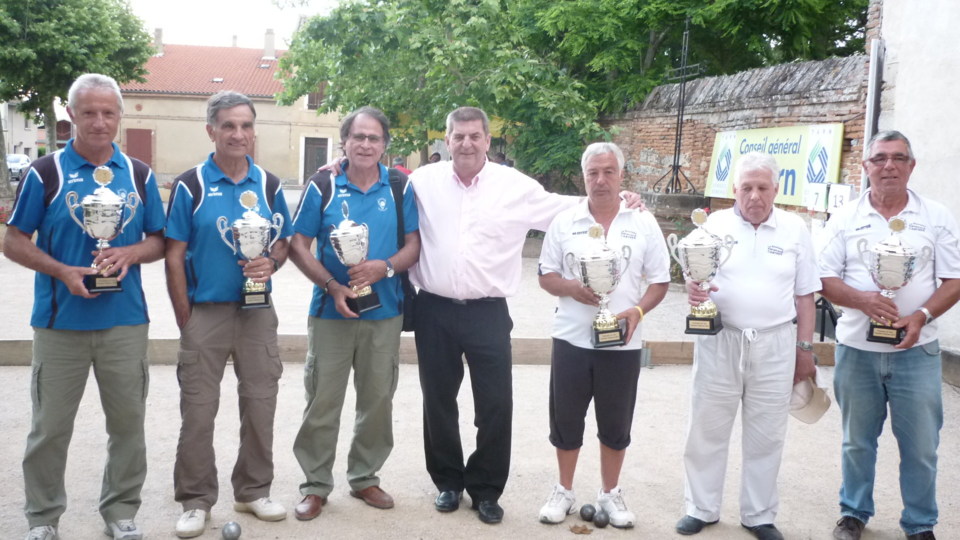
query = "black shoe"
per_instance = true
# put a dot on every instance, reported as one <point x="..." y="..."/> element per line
<point x="848" y="528"/>
<point x="690" y="525"/>
<point x="925" y="535"/>
<point x="489" y="511"/>
<point x="764" y="532"/>
<point x="448" y="500"/>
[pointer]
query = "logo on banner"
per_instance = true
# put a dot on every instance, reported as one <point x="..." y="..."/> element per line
<point x="723" y="164"/>
<point x="817" y="165"/>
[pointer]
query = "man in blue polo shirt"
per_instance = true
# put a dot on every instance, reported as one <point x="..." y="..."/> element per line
<point x="340" y="338"/>
<point x="74" y="329"/>
<point x="205" y="280"/>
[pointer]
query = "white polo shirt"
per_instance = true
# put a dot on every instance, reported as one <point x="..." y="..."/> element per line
<point x="768" y="268"/>
<point x="649" y="261"/>
<point x="929" y="224"/>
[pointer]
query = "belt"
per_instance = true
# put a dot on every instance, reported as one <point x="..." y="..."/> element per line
<point x="460" y="302"/>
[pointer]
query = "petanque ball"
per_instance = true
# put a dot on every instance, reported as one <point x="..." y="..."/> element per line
<point x="601" y="519"/>
<point x="230" y="530"/>
<point x="587" y="512"/>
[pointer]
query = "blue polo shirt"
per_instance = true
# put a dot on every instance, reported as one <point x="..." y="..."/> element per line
<point x="43" y="209"/>
<point x="377" y="209"/>
<point x="198" y="199"/>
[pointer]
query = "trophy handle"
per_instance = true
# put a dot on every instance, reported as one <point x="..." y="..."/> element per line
<point x="571" y="261"/>
<point x="861" y="252"/>
<point x="627" y="253"/>
<point x="223" y="228"/>
<point x="276" y="226"/>
<point x="728" y="243"/>
<point x="673" y="243"/>
<point x="131" y="203"/>
<point x="72" y="204"/>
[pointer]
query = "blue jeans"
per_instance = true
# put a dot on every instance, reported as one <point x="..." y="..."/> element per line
<point x="910" y="382"/>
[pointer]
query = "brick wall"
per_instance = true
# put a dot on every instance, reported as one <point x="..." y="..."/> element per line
<point x="826" y="91"/>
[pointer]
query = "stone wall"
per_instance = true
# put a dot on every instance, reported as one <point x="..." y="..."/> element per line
<point x="827" y="91"/>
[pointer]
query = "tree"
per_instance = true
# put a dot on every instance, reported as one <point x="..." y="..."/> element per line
<point x="49" y="43"/>
<point x="546" y="69"/>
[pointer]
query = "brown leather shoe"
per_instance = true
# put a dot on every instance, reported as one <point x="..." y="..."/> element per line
<point x="374" y="496"/>
<point x="310" y="507"/>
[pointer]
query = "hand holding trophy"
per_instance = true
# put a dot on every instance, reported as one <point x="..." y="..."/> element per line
<point x="891" y="264"/>
<point x="350" y="242"/>
<point x="103" y="221"/>
<point x="698" y="255"/>
<point x="251" y="238"/>
<point x="600" y="268"/>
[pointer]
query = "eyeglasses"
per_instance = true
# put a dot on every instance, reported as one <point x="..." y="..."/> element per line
<point x="880" y="160"/>
<point x="360" y="137"/>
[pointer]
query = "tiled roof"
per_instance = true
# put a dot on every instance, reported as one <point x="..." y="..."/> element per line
<point x="196" y="70"/>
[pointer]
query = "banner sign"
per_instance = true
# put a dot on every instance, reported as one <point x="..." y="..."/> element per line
<point x="807" y="155"/>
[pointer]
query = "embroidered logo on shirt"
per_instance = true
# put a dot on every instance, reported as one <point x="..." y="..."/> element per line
<point x="917" y="227"/>
<point x="343" y="192"/>
<point x="214" y="192"/>
<point x="862" y="227"/>
<point x="382" y="204"/>
<point x="74" y="174"/>
<point x="628" y="234"/>
<point x="775" y="250"/>
<point x="73" y="179"/>
<point x="578" y="233"/>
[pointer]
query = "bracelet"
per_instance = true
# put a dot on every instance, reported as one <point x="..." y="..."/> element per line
<point x="327" y="282"/>
<point x="276" y="264"/>
<point x="927" y="314"/>
<point x="640" y="309"/>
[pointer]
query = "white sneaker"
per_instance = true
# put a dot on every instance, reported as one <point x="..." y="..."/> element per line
<point x="43" y="532"/>
<point x="123" y="529"/>
<point x="559" y="505"/>
<point x="263" y="508"/>
<point x="192" y="523"/>
<point x="612" y="503"/>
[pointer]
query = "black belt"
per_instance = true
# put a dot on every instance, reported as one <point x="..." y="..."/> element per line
<point x="461" y="302"/>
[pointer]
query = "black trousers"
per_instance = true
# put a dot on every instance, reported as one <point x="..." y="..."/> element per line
<point x="446" y="332"/>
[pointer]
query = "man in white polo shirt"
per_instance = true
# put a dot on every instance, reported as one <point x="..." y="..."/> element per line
<point x="579" y="372"/>
<point x="871" y="376"/>
<point x="756" y="358"/>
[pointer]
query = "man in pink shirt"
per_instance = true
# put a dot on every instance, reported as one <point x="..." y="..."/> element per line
<point x="474" y="218"/>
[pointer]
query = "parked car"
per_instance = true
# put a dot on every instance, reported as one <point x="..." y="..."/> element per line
<point x="17" y="164"/>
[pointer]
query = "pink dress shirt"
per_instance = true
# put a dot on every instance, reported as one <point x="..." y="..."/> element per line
<point x="472" y="236"/>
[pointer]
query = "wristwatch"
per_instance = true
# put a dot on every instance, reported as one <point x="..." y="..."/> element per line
<point x="805" y="345"/>
<point x="276" y="264"/>
<point x="927" y="313"/>
<point x="389" y="268"/>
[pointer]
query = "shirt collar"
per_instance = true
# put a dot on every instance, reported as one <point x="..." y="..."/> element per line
<point x="865" y="208"/>
<point x="771" y="220"/>
<point x="217" y="175"/>
<point x="74" y="161"/>
<point x="476" y="179"/>
<point x="342" y="181"/>
<point x="581" y="211"/>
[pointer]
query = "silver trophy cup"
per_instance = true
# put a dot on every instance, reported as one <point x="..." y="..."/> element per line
<point x="103" y="221"/>
<point x="251" y="238"/>
<point x="699" y="255"/>
<point x="600" y="268"/>
<point x="351" y="242"/>
<point x="891" y="264"/>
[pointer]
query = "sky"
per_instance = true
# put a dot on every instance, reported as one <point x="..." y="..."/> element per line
<point x="215" y="22"/>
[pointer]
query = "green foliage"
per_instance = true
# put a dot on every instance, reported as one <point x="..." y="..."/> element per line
<point x="49" y="43"/>
<point x="546" y="68"/>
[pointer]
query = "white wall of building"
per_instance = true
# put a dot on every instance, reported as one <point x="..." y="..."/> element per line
<point x="921" y="99"/>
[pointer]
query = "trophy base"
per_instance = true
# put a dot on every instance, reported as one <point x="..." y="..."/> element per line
<point x="885" y="334"/>
<point x="362" y="304"/>
<point x="254" y="299"/>
<point x="608" y="337"/>
<point x="704" y="326"/>
<point x="100" y="284"/>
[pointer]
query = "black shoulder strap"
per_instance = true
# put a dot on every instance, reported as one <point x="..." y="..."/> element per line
<point x="397" y="180"/>
<point x="141" y="173"/>
<point x="324" y="182"/>
<point x="191" y="180"/>
<point x="270" y="187"/>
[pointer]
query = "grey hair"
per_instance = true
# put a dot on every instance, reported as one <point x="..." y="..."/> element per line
<point x="372" y="112"/>
<point x="468" y="114"/>
<point x="90" y="81"/>
<point x="600" y="148"/>
<point x="889" y="135"/>
<point x="756" y="161"/>
<point x="226" y="99"/>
